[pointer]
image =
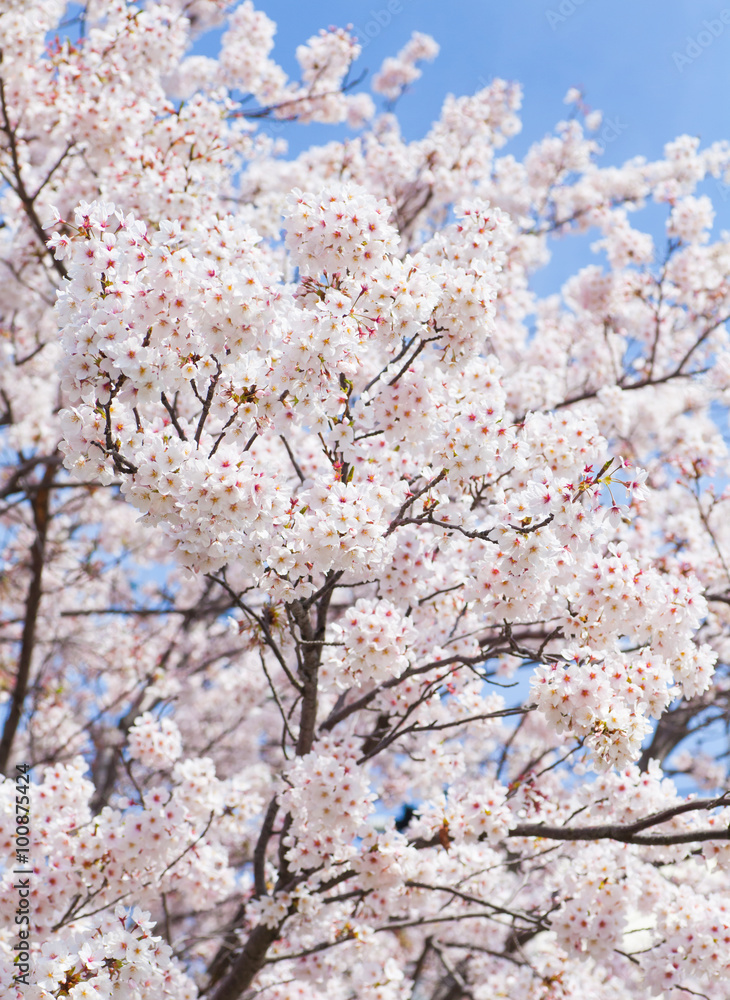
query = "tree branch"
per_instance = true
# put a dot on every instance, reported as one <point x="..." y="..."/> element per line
<point x="40" y="504"/>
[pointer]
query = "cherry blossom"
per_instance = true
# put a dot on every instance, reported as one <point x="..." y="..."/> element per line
<point x="364" y="614"/>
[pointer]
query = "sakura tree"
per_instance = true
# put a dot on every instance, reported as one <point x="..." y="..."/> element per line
<point x="360" y="609"/>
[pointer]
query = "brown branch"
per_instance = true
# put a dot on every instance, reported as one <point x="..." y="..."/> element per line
<point x="308" y="672"/>
<point x="208" y="401"/>
<point x="247" y="965"/>
<point x="261" y="622"/>
<point x="403" y="351"/>
<point x="40" y="503"/>
<point x="409" y="361"/>
<point x="259" y="854"/>
<point x="222" y="957"/>
<point x="293" y="461"/>
<point x="397" y="733"/>
<point x="428" y="518"/>
<point x="243" y="969"/>
<point x="412" y="499"/>
<point x="631" y="833"/>
<point x="196" y="612"/>
<point x="173" y="416"/>
<point x="643" y="383"/>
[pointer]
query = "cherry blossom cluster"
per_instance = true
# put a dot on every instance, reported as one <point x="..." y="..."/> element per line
<point x="100" y="953"/>
<point x="329" y="798"/>
<point x="362" y="612"/>
<point x="376" y="637"/>
<point x="114" y="954"/>
<point x="154" y="742"/>
<point x="398" y="72"/>
<point x="121" y="341"/>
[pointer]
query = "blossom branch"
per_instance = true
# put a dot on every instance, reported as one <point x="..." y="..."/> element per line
<point x="18" y="185"/>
